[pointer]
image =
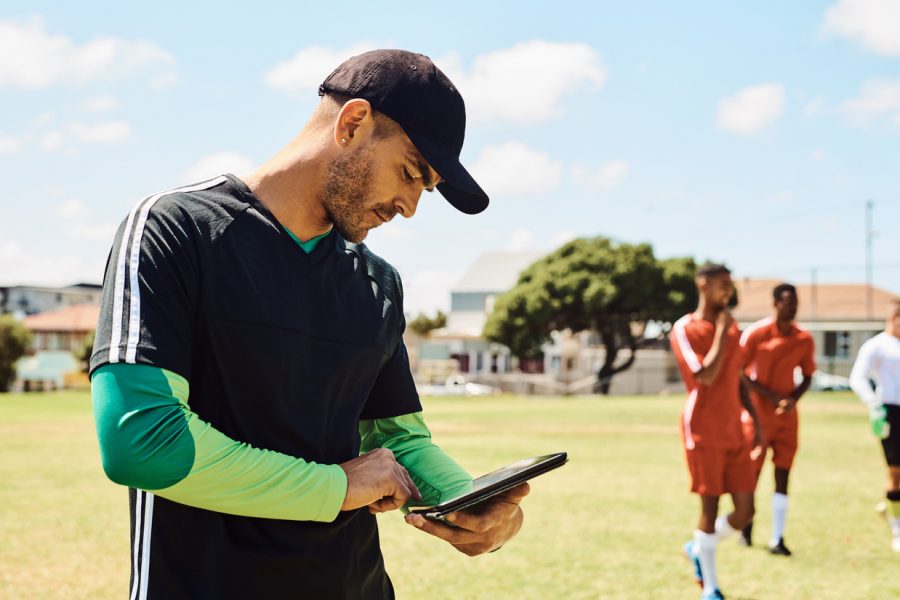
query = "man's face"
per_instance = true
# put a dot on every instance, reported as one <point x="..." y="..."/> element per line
<point x="717" y="290"/>
<point x="786" y="306"/>
<point x="370" y="184"/>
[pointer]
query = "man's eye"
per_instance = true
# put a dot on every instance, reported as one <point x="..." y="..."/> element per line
<point x="407" y="176"/>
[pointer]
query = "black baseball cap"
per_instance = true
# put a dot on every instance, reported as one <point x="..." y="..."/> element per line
<point x="411" y="90"/>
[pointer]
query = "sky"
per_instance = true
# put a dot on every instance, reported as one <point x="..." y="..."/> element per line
<point x="749" y="133"/>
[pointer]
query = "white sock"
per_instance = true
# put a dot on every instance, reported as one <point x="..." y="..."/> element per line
<point x="779" y="514"/>
<point x="895" y="526"/>
<point x="723" y="528"/>
<point x="705" y="547"/>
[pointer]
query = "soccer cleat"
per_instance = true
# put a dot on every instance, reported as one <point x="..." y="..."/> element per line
<point x="745" y="539"/>
<point x="779" y="549"/>
<point x="689" y="553"/>
<point x="895" y="543"/>
<point x="716" y="594"/>
<point x="881" y="509"/>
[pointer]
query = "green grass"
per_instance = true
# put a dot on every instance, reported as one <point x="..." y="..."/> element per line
<point x="607" y="525"/>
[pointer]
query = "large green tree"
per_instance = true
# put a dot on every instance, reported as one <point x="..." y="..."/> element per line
<point x="593" y="284"/>
<point x="14" y="343"/>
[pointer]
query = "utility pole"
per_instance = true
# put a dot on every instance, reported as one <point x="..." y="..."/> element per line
<point x="869" y="307"/>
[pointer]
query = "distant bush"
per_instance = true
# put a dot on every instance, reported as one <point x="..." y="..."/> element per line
<point x="14" y="343"/>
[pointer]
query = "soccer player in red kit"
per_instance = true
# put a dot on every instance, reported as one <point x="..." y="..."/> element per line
<point x="706" y="345"/>
<point x="773" y="349"/>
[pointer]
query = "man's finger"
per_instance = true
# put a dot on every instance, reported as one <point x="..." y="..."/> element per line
<point x="454" y="535"/>
<point x="410" y="484"/>
<point x="517" y="493"/>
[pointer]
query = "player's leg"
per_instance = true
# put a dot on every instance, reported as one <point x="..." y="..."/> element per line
<point x="746" y="537"/>
<point x="891" y="446"/>
<point x="706" y="466"/>
<point x="705" y="542"/>
<point x="784" y="448"/>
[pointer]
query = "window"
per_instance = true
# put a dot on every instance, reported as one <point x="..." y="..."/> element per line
<point x="837" y="344"/>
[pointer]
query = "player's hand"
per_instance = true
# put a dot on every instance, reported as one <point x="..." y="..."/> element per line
<point x="378" y="481"/>
<point x="757" y="450"/>
<point x="724" y="321"/>
<point x="496" y="521"/>
<point x="785" y="405"/>
<point x="878" y="419"/>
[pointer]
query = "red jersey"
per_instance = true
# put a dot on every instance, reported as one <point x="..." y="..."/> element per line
<point x="771" y="358"/>
<point x="712" y="413"/>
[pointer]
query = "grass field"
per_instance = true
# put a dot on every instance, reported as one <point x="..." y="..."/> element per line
<point x="608" y="525"/>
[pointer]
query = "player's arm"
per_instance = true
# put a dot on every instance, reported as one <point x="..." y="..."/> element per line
<point x="760" y="389"/>
<point x="712" y="362"/>
<point x="437" y="476"/>
<point x="150" y="439"/>
<point x="744" y="394"/>
<point x="859" y="376"/>
<point x="859" y="383"/>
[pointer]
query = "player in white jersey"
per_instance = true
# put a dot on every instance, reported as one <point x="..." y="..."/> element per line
<point x="879" y="358"/>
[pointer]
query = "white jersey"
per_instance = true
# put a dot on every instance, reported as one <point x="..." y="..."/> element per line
<point x="879" y="356"/>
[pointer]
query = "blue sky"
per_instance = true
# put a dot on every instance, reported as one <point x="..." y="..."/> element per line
<point x="752" y="133"/>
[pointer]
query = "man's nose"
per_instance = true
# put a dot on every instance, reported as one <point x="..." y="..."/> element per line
<point x="406" y="205"/>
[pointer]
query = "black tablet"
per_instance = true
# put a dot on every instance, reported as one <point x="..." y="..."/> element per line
<point x="495" y="483"/>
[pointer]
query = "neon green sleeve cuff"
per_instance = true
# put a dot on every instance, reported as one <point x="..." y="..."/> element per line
<point x="437" y="476"/>
<point x="150" y="439"/>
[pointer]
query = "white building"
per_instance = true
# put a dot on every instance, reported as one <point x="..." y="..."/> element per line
<point x="25" y="300"/>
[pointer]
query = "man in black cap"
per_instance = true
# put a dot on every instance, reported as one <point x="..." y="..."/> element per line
<point x="250" y="382"/>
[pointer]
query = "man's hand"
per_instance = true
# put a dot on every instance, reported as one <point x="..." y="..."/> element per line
<point x="878" y="418"/>
<point x="474" y="533"/>
<point x="785" y="405"/>
<point x="378" y="481"/>
<point x="724" y="321"/>
<point x="757" y="450"/>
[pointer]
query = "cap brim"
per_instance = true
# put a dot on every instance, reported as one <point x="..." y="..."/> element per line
<point x="457" y="186"/>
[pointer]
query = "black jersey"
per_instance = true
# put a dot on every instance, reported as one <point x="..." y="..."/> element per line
<point x="283" y="350"/>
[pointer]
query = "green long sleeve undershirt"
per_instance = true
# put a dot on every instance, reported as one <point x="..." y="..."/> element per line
<point x="150" y="439"/>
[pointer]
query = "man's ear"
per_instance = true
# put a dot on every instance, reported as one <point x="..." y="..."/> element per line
<point x="355" y="121"/>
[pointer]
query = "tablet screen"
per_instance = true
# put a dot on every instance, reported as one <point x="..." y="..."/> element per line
<point x="495" y="483"/>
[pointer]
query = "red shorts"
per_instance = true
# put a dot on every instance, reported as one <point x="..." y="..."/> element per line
<point x="716" y="471"/>
<point x="778" y="432"/>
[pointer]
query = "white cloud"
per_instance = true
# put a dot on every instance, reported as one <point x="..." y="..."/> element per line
<point x="876" y="99"/>
<point x="21" y="265"/>
<point x="102" y="103"/>
<point x="217" y="164"/>
<point x="70" y="209"/>
<point x="44" y="119"/>
<point x="310" y="66"/>
<point x="9" y="143"/>
<point x="521" y="239"/>
<point x="551" y="71"/>
<point x="875" y="24"/>
<point x="52" y="140"/>
<point x="817" y="154"/>
<point x="110" y="132"/>
<point x="608" y="176"/>
<point x="751" y="109"/>
<point x="33" y="58"/>
<point x="514" y="169"/>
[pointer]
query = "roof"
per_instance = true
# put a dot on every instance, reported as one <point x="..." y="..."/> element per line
<point x="496" y="271"/>
<point x="822" y="302"/>
<point x="75" y="318"/>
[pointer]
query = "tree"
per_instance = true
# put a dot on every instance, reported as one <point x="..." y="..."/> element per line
<point x="83" y="351"/>
<point x="423" y="324"/>
<point x="594" y="284"/>
<point x="14" y="343"/>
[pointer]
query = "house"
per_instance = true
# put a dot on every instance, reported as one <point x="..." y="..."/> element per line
<point x="459" y="347"/>
<point x="25" y="300"/>
<point x="62" y="329"/>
